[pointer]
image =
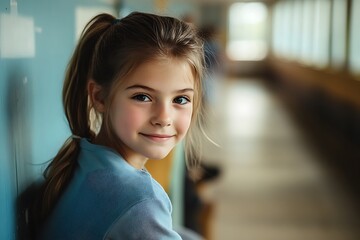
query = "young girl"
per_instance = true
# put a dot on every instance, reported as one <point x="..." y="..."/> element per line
<point x="140" y="77"/>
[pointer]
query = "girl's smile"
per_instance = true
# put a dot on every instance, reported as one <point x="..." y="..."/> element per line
<point x="157" y="137"/>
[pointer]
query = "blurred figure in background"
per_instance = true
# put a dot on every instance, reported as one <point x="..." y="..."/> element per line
<point x="212" y="62"/>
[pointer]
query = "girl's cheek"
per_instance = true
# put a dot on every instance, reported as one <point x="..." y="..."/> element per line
<point x="185" y="121"/>
<point x="126" y="116"/>
<point x="133" y="117"/>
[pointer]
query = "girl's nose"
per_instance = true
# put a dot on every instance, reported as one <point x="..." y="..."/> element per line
<point x="162" y="116"/>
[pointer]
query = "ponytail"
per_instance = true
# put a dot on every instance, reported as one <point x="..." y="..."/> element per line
<point x="77" y="110"/>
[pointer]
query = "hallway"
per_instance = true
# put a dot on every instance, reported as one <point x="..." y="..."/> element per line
<point x="273" y="185"/>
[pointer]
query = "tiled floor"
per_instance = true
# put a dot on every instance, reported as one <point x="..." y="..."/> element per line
<point x="273" y="186"/>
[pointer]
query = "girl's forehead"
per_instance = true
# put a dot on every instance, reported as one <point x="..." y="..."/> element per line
<point x="177" y="72"/>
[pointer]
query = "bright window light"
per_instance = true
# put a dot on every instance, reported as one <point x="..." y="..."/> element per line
<point x="321" y="33"/>
<point x="354" y="53"/>
<point x="307" y="30"/>
<point x="247" y="32"/>
<point x="338" y="34"/>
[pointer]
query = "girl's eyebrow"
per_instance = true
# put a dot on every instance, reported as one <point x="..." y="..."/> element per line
<point x="154" y="90"/>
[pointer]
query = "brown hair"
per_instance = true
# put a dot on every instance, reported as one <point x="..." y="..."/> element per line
<point x="107" y="51"/>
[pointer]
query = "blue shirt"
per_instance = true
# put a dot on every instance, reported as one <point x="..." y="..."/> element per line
<point x="109" y="199"/>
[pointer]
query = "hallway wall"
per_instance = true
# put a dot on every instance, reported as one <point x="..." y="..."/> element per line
<point x="32" y="123"/>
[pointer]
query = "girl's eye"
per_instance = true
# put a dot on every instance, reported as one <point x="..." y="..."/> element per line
<point x="141" y="98"/>
<point x="181" y="100"/>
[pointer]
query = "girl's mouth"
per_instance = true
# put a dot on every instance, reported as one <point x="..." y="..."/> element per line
<point x="157" y="137"/>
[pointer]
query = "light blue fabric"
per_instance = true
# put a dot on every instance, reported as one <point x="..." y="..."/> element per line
<point x="109" y="199"/>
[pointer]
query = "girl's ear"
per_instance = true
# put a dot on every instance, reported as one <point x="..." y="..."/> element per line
<point x="95" y="95"/>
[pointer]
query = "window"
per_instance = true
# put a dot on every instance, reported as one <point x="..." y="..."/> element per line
<point x="338" y="34"/>
<point x="302" y="31"/>
<point x="354" y="53"/>
<point x="247" y="31"/>
<point x="288" y="29"/>
<point x="321" y="33"/>
<point x="307" y="31"/>
<point x="297" y="30"/>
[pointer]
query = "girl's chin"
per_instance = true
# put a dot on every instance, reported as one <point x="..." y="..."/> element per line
<point x="159" y="156"/>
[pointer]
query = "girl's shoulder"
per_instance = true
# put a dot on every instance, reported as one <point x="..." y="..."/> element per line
<point x="101" y="169"/>
<point x="118" y="183"/>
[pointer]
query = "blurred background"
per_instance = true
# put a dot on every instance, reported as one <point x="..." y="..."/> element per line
<point x="283" y="103"/>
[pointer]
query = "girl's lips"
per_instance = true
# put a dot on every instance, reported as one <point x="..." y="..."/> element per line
<point x="157" y="137"/>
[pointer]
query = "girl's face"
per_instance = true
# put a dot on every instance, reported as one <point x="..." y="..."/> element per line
<point x="152" y="110"/>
